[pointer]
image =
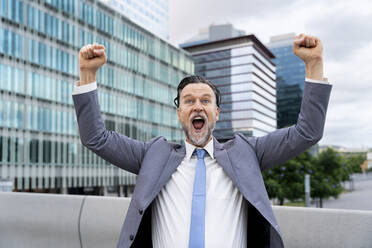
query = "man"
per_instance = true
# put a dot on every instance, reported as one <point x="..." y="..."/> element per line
<point x="201" y="193"/>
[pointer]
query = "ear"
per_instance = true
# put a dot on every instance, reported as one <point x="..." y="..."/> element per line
<point x="178" y="113"/>
<point x="217" y="113"/>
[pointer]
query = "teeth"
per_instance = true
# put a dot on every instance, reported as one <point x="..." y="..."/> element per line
<point x="198" y="118"/>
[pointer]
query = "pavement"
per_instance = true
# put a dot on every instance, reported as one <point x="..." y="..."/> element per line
<point x="358" y="199"/>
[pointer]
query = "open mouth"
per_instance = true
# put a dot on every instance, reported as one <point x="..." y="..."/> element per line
<point x="198" y="123"/>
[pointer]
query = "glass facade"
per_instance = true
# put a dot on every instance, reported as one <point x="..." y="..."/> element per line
<point x="290" y="80"/>
<point x="151" y="15"/>
<point x="39" y="44"/>
<point x="245" y="77"/>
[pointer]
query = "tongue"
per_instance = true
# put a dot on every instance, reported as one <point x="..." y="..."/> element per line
<point x="198" y="124"/>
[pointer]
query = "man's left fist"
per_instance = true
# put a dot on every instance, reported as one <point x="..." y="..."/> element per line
<point x="308" y="48"/>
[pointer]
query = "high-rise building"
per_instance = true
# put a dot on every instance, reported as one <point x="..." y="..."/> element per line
<point x="290" y="76"/>
<point x="40" y="148"/>
<point x="242" y="70"/>
<point x="151" y="15"/>
<point x="212" y="33"/>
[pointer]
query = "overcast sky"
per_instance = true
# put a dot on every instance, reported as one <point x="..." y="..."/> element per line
<point x="344" y="26"/>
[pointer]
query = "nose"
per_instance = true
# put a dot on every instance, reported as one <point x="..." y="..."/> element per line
<point x="197" y="106"/>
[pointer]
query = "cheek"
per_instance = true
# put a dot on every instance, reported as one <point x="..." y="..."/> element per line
<point x="212" y="115"/>
<point x="182" y="116"/>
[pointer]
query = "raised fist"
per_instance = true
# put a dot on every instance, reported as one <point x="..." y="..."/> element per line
<point x="92" y="57"/>
<point x="308" y="48"/>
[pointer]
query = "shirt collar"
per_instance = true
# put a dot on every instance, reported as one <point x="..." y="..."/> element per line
<point x="191" y="148"/>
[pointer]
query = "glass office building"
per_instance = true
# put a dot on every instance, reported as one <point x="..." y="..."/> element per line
<point x="151" y="15"/>
<point x="40" y="148"/>
<point x="290" y="75"/>
<point x="242" y="70"/>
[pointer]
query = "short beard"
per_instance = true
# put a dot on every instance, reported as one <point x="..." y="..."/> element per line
<point x="199" y="140"/>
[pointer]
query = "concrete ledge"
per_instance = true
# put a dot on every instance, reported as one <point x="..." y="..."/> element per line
<point x="331" y="228"/>
<point x="47" y="220"/>
<point x="39" y="220"/>
<point x="101" y="220"/>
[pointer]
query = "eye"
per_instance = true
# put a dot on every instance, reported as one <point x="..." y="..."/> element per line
<point x="188" y="101"/>
<point x="205" y="101"/>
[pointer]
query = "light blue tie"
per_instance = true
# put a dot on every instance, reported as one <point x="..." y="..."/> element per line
<point x="197" y="226"/>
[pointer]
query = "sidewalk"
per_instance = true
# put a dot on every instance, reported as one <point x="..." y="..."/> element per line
<point x="359" y="199"/>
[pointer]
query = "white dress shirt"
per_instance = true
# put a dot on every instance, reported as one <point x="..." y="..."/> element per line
<point x="225" y="214"/>
<point x="84" y="88"/>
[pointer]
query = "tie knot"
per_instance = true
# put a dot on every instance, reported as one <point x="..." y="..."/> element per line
<point x="200" y="153"/>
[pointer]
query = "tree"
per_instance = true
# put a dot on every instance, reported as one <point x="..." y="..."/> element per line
<point x="354" y="162"/>
<point x="286" y="181"/>
<point x="326" y="171"/>
<point x="327" y="174"/>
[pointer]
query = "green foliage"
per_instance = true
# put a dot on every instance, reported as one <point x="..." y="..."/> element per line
<point x="326" y="171"/>
<point x="329" y="170"/>
<point x="354" y="163"/>
<point x="287" y="180"/>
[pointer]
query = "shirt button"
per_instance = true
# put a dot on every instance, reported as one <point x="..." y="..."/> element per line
<point x="140" y="211"/>
<point x="131" y="237"/>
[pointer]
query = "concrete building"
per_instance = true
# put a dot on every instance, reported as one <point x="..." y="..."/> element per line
<point x="369" y="160"/>
<point x="242" y="69"/>
<point x="290" y="77"/>
<point x="212" y="33"/>
<point x="40" y="148"/>
<point x="151" y="15"/>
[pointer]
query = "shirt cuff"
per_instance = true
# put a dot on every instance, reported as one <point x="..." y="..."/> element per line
<point x="324" y="81"/>
<point x="84" y="88"/>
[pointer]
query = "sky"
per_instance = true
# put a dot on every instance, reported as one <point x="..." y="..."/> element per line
<point x="345" y="28"/>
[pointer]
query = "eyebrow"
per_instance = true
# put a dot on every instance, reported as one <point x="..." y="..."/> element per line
<point x="206" y="94"/>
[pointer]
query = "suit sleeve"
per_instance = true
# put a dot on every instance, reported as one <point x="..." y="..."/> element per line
<point x="286" y="143"/>
<point x="115" y="148"/>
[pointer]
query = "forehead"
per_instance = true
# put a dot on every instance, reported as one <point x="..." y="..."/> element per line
<point x="197" y="89"/>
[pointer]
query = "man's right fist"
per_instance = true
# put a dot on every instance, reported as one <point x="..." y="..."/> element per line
<point x="91" y="58"/>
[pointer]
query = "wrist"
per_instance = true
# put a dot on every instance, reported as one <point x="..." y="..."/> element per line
<point x="314" y="69"/>
<point x="87" y="77"/>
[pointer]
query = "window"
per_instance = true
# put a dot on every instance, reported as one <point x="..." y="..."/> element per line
<point x="34" y="151"/>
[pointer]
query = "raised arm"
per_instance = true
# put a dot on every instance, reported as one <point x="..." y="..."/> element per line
<point x="117" y="149"/>
<point x="286" y="143"/>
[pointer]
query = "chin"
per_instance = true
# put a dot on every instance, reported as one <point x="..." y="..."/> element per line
<point x="199" y="139"/>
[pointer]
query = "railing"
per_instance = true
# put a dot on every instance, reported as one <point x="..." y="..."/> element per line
<point x="47" y="220"/>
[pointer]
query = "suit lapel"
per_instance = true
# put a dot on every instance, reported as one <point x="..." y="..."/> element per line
<point x="174" y="160"/>
<point x="222" y="158"/>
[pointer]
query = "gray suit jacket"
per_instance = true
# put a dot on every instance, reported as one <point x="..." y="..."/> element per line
<point x="242" y="159"/>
